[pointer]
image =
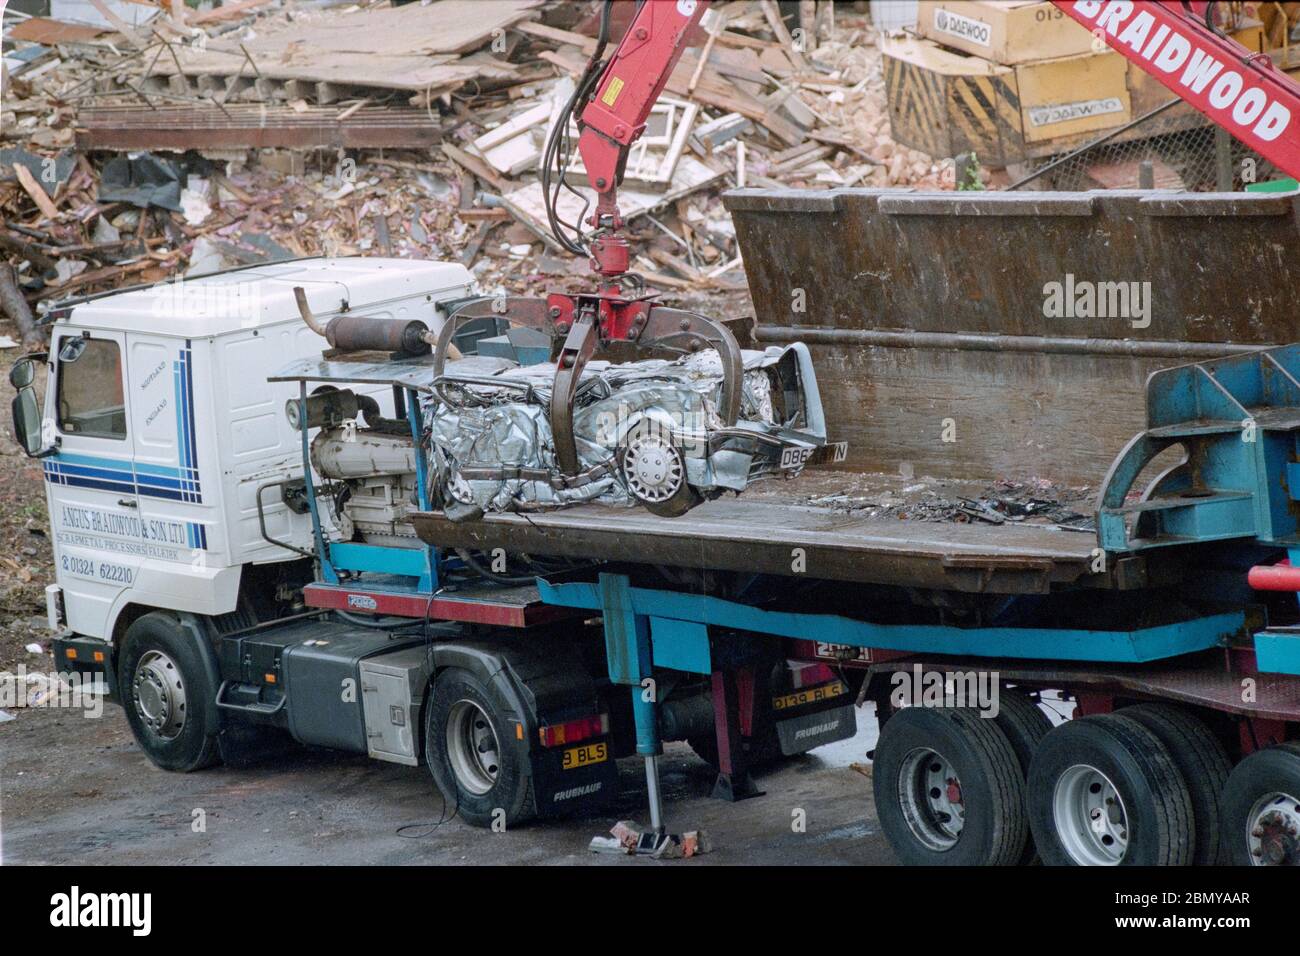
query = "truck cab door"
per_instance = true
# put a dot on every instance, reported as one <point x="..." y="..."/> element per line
<point x="93" y="495"/>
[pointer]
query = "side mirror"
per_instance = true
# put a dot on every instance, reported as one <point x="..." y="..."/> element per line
<point x="27" y="409"/>
<point x="27" y="421"/>
<point x="23" y="373"/>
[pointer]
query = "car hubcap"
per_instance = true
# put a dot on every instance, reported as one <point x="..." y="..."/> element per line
<point x="1273" y="830"/>
<point x="930" y="795"/>
<point x="653" y="468"/>
<point x="472" y="747"/>
<point x="158" y="694"/>
<point x="1090" y="818"/>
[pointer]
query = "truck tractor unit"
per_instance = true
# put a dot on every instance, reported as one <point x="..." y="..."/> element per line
<point x="235" y="551"/>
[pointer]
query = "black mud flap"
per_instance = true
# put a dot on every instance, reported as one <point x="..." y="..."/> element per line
<point x="586" y="785"/>
<point x="89" y="657"/>
<point x="800" y="734"/>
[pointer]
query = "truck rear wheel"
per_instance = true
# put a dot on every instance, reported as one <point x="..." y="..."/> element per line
<point x="1104" y="791"/>
<point x="167" y="694"/>
<point x="473" y="754"/>
<point x="1261" y="808"/>
<point x="948" y="789"/>
<point x="1025" y="725"/>
<point x="1204" y="765"/>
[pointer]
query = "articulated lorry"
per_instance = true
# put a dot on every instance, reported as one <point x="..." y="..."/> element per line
<point x="249" y="539"/>
<point x="253" y="536"/>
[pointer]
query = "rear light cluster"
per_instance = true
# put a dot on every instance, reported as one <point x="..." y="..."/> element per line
<point x="572" y="731"/>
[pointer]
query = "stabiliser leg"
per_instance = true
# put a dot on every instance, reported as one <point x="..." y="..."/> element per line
<point x="629" y="656"/>
<point x="734" y="782"/>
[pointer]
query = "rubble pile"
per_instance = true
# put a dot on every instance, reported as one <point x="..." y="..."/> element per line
<point x="1005" y="502"/>
<point x="192" y="140"/>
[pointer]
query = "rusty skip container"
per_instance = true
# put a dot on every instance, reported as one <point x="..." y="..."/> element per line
<point x="979" y="335"/>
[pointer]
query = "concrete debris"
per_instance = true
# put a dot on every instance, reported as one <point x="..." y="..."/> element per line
<point x="247" y="128"/>
<point x="628" y="837"/>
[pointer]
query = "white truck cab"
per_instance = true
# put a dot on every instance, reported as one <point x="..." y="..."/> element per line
<point x="159" y="425"/>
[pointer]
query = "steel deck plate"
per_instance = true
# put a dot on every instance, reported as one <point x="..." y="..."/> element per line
<point x="773" y="537"/>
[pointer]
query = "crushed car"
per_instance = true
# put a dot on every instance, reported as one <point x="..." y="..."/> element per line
<point x="648" y="432"/>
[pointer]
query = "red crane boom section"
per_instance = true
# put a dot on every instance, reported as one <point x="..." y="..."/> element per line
<point x="1239" y="90"/>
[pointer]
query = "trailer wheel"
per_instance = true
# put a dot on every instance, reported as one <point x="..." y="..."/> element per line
<point x="167" y="694"/>
<point x="1104" y="791"/>
<point x="1261" y="808"/>
<point x="1204" y="765"/>
<point x="1025" y="725"/>
<point x="948" y="789"/>
<point x="472" y="752"/>
<point x="654" y="471"/>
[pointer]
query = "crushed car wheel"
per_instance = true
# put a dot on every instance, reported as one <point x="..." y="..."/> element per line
<point x="654" y="471"/>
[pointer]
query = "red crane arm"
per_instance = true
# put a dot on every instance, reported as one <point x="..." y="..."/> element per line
<point x="632" y="80"/>
<point x="1239" y="90"/>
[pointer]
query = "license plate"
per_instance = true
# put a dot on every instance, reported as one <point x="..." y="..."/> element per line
<point x="583" y="756"/>
<point x="842" y="652"/>
<point x="796" y="456"/>
<point x="809" y="695"/>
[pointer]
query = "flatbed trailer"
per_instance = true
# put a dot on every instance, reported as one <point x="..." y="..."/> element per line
<point x="1151" y="627"/>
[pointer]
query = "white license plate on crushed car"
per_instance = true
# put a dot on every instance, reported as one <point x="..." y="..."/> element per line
<point x="796" y="457"/>
<point x="799" y="455"/>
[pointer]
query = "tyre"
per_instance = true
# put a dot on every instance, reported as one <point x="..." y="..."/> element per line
<point x="167" y="693"/>
<point x="1025" y="724"/>
<point x="473" y="754"/>
<point x="1260" y="810"/>
<point x="948" y="789"/>
<point x="1104" y="791"/>
<point x="759" y="753"/>
<point x="654" y="471"/>
<point x="1204" y="764"/>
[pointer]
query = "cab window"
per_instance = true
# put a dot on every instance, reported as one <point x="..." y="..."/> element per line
<point x="90" y="394"/>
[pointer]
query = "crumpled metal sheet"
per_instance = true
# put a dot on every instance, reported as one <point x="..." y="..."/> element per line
<point x="490" y="426"/>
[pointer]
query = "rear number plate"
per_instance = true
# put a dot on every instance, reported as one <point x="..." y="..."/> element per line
<point x="576" y="757"/>
<point x="810" y="695"/>
<point x="795" y="457"/>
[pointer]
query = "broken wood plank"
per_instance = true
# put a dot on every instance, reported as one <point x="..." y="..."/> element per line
<point x="229" y="11"/>
<point x="120" y="25"/>
<point x="49" y="32"/>
<point x="488" y="214"/>
<point x="773" y="14"/>
<point x="476" y="166"/>
<point x="14" y="305"/>
<point x="35" y="192"/>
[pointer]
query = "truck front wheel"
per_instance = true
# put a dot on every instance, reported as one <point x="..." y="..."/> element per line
<point x="473" y="754"/>
<point x="167" y="694"/>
